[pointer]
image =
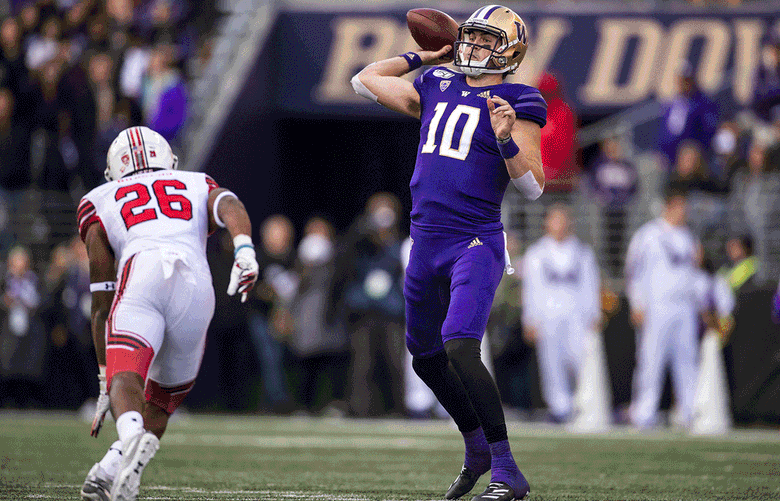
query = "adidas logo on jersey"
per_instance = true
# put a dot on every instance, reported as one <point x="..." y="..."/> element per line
<point x="474" y="243"/>
<point x="465" y="93"/>
<point x="485" y="94"/>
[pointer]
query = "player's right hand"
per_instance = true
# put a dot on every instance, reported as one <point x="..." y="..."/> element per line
<point x="436" y="57"/>
<point x="103" y="404"/>
<point x="244" y="273"/>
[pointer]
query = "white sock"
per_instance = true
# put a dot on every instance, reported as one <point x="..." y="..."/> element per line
<point x="113" y="458"/>
<point x="129" y="424"/>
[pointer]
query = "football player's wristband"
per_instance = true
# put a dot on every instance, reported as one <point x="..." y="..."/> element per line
<point x="508" y="148"/>
<point x="242" y="242"/>
<point x="413" y="59"/>
<point x="102" y="287"/>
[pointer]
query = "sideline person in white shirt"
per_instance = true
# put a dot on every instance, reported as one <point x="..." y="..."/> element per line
<point x="560" y="294"/>
<point x="661" y="276"/>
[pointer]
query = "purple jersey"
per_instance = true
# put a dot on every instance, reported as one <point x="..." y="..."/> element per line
<point x="460" y="177"/>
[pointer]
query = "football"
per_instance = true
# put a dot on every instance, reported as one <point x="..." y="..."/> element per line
<point x="432" y="29"/>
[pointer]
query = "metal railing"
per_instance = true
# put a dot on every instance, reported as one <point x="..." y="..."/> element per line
<point x="241" y="36"/>
<point x="752" y="207"/>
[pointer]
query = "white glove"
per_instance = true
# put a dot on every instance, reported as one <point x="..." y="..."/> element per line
<point x="103" y="404"/>
<point x="245" y="270"/>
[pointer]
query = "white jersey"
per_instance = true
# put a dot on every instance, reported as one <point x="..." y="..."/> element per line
<point x="660" y="268"/>
<point x="560" y="280"/>
<point x="164" y="210"/>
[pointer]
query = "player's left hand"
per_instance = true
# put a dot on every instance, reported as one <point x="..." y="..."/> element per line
<point x="502" y="116"/>
<point x="244" y="273"/>
<point x="103" y="405"/>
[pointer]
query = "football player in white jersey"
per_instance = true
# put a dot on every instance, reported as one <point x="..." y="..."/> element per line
<point x="153" y="298"/>
<point x="661" y="278"/>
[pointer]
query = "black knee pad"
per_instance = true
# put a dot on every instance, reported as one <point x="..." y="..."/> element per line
<point x="463" y="352"/>
<point x="430" y="367"/>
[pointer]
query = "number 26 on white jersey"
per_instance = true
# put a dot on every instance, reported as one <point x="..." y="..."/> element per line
<point x="464" y="145"/>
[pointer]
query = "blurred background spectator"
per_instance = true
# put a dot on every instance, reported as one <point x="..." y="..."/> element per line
<point x="73" y="74"/>
<point x="689" y="170"/>
<point x="561" y="305"/>
<point x="690" y="115"/>
<point x="661" y="270"/>
<point x="614" y="180"/>
<point x="22" y="336"/>
<point x="369" y="295"/>
<point x="754" y="196"/>
<point x="66" y="313"/>
<point x="560" y="151"/>
<point x="318" y="342"/>
<point x="269" y="318"/>
<point x="164" y="95"/>
<point x="767" y="89"/>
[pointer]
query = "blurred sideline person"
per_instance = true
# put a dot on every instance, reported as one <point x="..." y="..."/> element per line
<point x="716" y="299"/>
<point x="661" y="286"/>
<point x="318" y="342"/>
<point x="690" y="115"/>
<point x="559" y="144"/>
<point x="744" y="264"/>
<point x="23" y="344"/>
<point x="276" y="287"/>
<point x="614" y="179"/>
<point x="561" y="304"/>
<point x="145" y="232"/>
<point x="477" y="133"/>
<point x="743" y="278"/>
<point x="368" y="291"/>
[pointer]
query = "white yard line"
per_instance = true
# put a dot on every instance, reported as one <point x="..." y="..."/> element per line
<point x="240" y="494"/>
<point x="308" y="442"/>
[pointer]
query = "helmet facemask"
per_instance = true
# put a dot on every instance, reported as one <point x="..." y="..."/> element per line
<point x="494" y="62"/>
<point x="508" y="49"/>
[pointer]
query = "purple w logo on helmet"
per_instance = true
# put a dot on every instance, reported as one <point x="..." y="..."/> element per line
<point x="521" y="32"/>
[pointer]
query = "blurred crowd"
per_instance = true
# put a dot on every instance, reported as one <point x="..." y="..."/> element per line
<point x="74" y="73"/>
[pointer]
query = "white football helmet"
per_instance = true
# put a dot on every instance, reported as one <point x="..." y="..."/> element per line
<point x="507" y="52"/>
<point x="138" y="148"/>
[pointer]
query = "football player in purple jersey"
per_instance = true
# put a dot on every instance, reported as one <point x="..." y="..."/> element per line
<point x="477" y="133"/>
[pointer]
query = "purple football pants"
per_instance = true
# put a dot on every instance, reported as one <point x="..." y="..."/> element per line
<point x="449" y="288"/>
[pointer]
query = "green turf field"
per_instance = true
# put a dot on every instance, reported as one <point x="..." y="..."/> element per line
<point x="46" y="456"/>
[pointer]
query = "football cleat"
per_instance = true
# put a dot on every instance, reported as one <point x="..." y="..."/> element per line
<point x="137" y="453"/>
<point x="97" y="486"/>
<point x="463" y="484"/>
<point x="499" y="491"/>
